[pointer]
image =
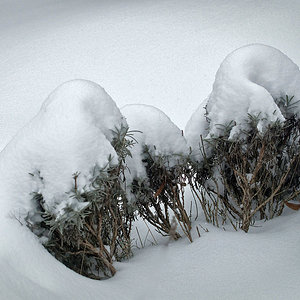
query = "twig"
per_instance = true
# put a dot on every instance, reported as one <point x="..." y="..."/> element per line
<point x="150" y="232"/>
<point x="139" y="237"/>
<point x="198" y="231"/>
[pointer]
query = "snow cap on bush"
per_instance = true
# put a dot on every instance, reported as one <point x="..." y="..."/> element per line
<point x="247" y="82"/>
<point x="71" y="133"/>
<point x="157" y="132"/>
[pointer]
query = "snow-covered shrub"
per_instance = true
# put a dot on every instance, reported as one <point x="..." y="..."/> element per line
<point x="76" y="161"/>
<point x="93" y="228"/>
<point x="247" y="82"/>
<point x="250" y="177"/>
<point x="245" y="138"/>
<point x="156" y="169"/>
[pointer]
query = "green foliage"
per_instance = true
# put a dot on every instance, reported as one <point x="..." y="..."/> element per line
<point x="94" y="228"/>
<point x="287" y="105"/>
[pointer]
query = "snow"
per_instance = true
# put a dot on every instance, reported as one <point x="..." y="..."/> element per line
<point x="248" y="81"/>
<point x="163" y="53"/>
<point x="71" y="133"/>
<point x="154" y="129"/>
<point x="263" y="264"/>
<point x="196" y="127"/>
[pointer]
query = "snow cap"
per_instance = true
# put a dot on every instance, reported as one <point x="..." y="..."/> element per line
<point x="71" y="133"/>
<point x="154" y="130"/>
<point x="247" y="82"/>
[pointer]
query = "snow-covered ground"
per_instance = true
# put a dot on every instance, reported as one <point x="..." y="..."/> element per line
<point x="161" y="53"/>
<point x="263" y="264"/>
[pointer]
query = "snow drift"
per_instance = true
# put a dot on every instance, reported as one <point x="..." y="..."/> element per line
<point x="248" y="81"/>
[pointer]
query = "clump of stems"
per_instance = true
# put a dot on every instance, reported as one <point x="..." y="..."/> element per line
<point x="251" y="176"/>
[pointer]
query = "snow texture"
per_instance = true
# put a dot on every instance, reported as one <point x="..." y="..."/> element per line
<point x="44" y="43"/>
<point x="172" y="66"/>
<point x="247" y="82"/>
<point x="153" y="129"/>
<point x="71" y="133"/>
<point x="263" y="264"/>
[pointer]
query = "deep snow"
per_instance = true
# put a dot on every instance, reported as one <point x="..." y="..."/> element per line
<point x="163" y="53"/>
<point x="263" y="264"/>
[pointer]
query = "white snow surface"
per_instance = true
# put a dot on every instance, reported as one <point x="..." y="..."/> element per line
<point x="155" y="130"/>
<point x="142" y="52"/>
<point x="263" y="264"/>
<point x="70" y="134"/>
<point x="247" y="82"/>
<point x="162" y="53"/>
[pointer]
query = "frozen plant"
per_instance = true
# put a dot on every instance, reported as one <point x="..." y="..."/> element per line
<point x="250" y="81"/>
<point x="93" y="228"/>
<point x="252" y="177"/>
<point x="75" y="196"/>
<point x="156" y="169"/>
<point x="245" y="138"/>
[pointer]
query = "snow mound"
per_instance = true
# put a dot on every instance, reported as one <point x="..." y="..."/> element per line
<point x="247" y="82"/>
<point x="155" y="130"/>
<point x="71" y="133"/>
